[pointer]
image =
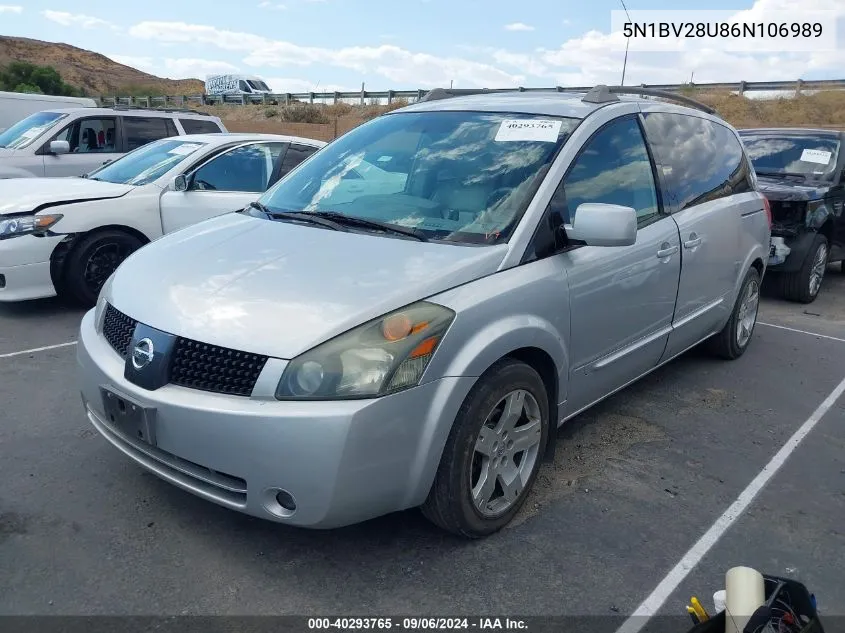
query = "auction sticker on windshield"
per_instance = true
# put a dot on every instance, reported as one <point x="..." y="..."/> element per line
<point x="815" y="156"/>
<point x="184" y="149"/>
<point x="529" y="130"/>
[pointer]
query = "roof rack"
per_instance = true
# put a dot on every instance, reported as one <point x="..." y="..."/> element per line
<point x="607" y="94"/>
<point x="153" y="109"/>
<point x="597" y="94"/>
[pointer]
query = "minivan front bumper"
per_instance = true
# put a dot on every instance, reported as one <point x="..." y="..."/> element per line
<point x="342" y="462"/>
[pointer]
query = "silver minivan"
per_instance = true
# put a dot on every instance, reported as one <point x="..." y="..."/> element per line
<point x="407" y="317"/>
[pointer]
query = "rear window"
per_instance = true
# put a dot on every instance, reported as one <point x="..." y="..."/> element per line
<point x="792" y="154"/>
<point x="142" y="130"/>
<point x="199" y="126"/>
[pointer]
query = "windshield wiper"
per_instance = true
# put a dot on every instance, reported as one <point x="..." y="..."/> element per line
<point x="296" y="216"/>
<point x="354" y="220"/>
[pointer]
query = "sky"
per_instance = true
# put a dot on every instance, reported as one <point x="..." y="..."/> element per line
<point x="328" y="45"/>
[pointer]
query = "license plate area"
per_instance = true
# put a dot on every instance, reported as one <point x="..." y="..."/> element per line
<point x="129" y="417"/>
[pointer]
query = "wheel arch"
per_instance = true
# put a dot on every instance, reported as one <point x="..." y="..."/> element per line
<point x="71" y="242"/>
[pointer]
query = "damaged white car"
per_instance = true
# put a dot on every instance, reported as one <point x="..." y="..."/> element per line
<point x="66" y="236"/>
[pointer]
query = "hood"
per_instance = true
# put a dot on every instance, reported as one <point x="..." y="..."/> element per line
<point x="277" y="288"/>
<point x="25" y="195"/>
<point x="5" y="152"/>
<point x="792" y="190"/>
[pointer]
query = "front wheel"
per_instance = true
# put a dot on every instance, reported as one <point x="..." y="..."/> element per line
<point x="735" y="337"/>
<point x="803" y="285"/>
<point x="93" y="260"/>
<point x="493" y="452"/>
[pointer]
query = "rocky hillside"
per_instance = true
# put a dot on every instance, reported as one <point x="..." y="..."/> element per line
<point x="92" y="72"/>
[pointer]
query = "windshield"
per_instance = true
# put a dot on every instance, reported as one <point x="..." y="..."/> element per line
<point x="258" y="85"/>
<point x="458" y="176"/>
<point x="24" y="132"/>
<point x="147" y="163"/>
<point x="806" y="155"/>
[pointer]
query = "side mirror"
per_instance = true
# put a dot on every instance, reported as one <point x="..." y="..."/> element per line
<point x="599" y="224"/>
<point x="59" y="147"/>
<point x="180" y="183"/>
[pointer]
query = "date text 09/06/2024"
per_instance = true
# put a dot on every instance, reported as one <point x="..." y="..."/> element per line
<point x="417" y="624"/>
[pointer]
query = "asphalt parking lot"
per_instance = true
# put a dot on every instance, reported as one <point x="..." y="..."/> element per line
<point x="635" y="483"/>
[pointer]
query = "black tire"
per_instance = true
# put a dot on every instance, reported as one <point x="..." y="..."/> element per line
<point x="727" y="343"/>
<point x="92" y="260"/>
<point x="796" y="286"/>
<point x="449" y="504"/>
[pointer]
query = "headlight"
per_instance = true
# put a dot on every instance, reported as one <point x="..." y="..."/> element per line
<point x="24" y="224"/>
<point x="101" y="302"/>
<point x="382" y="356"/>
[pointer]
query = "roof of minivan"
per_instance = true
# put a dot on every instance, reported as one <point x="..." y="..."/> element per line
<point x="550" y="103"/>
<point x="131" y="112"/>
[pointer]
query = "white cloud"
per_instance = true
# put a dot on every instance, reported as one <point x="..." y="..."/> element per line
<point x="176" y="67"/>
<point x="184" y="68"/>
<point x="272" y="5"/>
<point x="518" y="26"/>
<point x="288" y="84"/>
<point x="392" y="62"/>
<point x="76" y="19"/>
<point x="6" y="8"/>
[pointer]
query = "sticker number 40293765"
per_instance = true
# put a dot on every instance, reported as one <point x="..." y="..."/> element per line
<point x="545" y="130"/>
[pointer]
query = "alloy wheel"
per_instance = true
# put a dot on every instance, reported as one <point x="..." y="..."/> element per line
<point x="747" y="316"/>
<point x="505" y="453"/>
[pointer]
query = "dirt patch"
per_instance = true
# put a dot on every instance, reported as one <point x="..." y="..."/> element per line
<point x="586" y="446"/>
<point x="12" y="523"/>
<point x="697" y="400"/>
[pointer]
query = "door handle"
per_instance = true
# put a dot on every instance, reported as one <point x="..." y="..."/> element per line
<point x="693" y="241"/>
<point x="667" y="251"/>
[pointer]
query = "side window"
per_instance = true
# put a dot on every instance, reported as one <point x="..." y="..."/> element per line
<point x="700" y="160"/>
<point x="143" y="130"/>
<point x="245" y="168"/>
<point x="296" y="154"/>
<point x="242" y="85"/>
<point x="612" y="168"/>
<point x="199" y="126"/>
<point x="91" y="135"/>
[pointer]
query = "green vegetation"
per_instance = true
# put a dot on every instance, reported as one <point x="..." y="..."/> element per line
<point x="26" y="77"/>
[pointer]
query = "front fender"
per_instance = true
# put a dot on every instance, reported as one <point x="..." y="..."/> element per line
<point x="522" y="307"/>
<point x="819" y="215"/>
<point x="139" y="214"/>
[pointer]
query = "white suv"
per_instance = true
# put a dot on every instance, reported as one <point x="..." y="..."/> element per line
<point x="75" y="141"/>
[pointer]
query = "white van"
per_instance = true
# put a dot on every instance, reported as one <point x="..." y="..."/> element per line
<point x="16" y="106"/>
<point x="235" y="85"/>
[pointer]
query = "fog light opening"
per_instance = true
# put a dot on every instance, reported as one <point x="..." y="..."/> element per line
<point x="286" y="500"/>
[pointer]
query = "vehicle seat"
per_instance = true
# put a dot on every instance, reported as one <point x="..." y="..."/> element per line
<point x="89" y="140"/>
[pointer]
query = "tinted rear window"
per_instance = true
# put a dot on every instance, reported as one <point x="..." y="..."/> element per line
<point x="142" y="130"/>
<point x="699" y="160"/>
<point x="199" y="126"/>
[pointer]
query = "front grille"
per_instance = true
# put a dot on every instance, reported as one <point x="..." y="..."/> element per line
<point x="217" y="369"/>
<point x="193" y="364"/>
<point x="118" y="329"/>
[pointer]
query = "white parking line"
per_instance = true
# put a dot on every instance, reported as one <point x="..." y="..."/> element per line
<point x="792" y="329"/>
<point x="675" y="577"/>
<point x="37" y="349"/>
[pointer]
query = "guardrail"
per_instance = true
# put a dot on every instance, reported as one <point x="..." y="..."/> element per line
<point x="362" y="96"/>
